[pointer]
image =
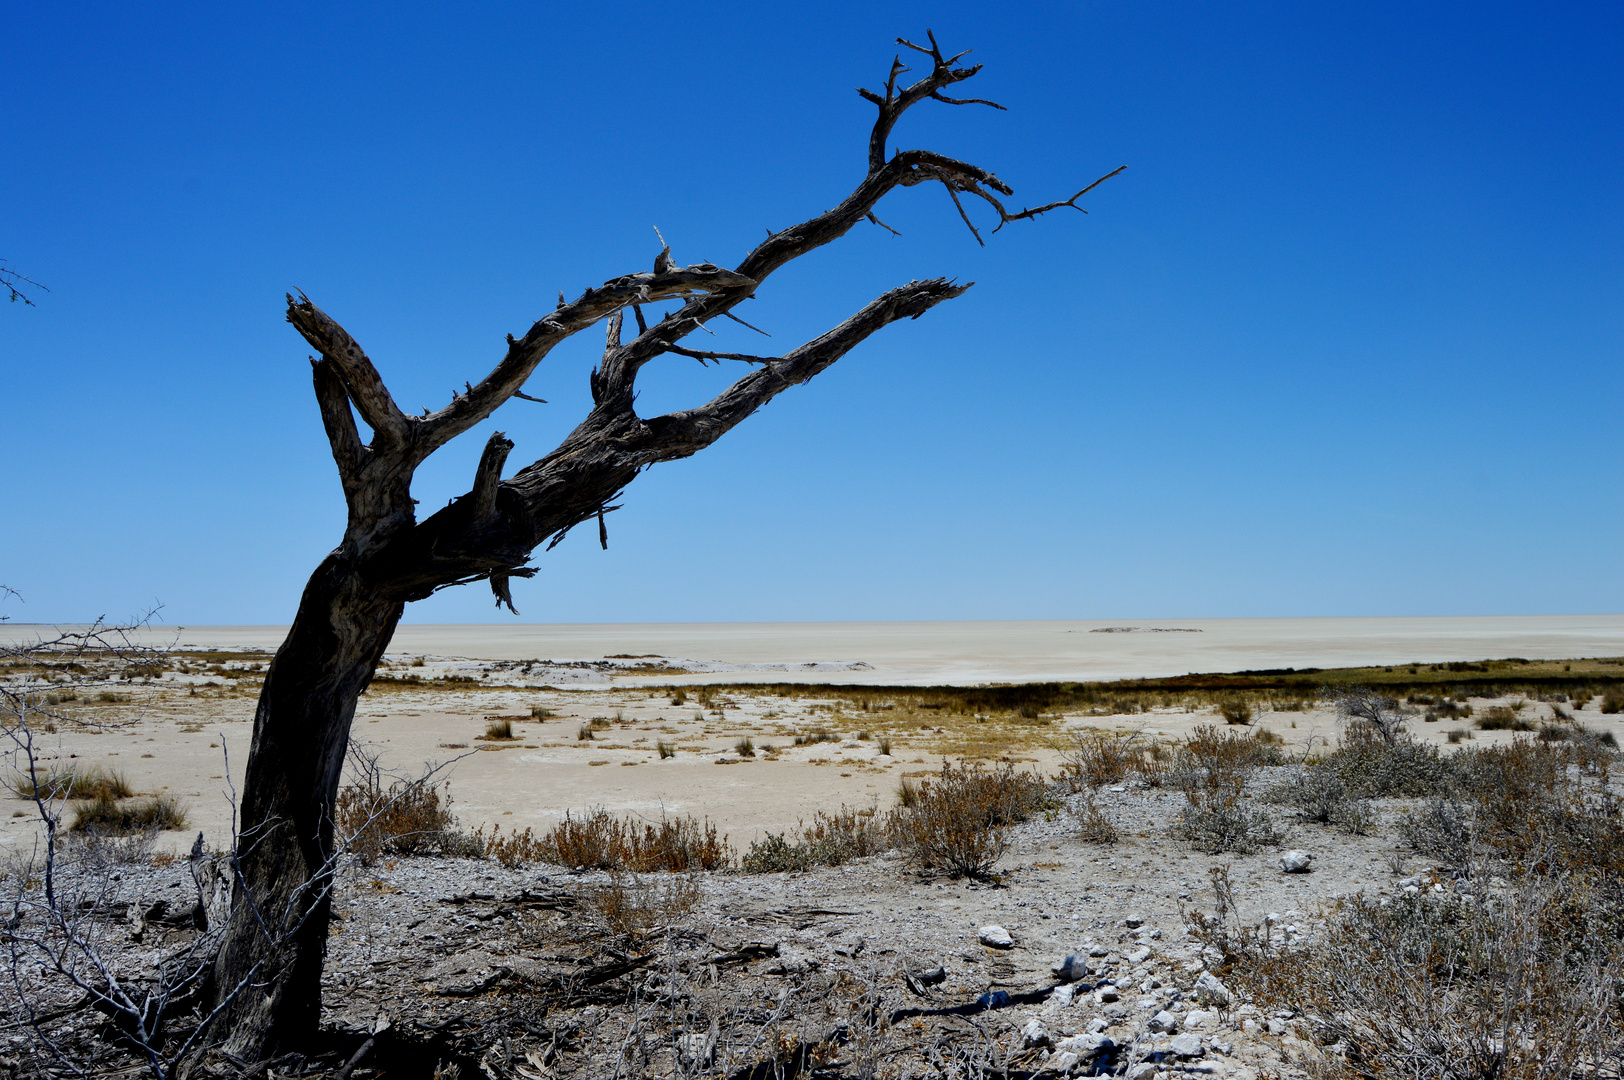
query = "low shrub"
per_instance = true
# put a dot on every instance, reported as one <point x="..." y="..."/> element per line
<point x="1096" y="758"/>
<point x="1094" y="826"/>
<point x="1215" y="821"/>
<point x="831" y="840"/>
<point x="665" y="749"/>
<point x="498" y="730"/>
<point x="111" y="817"/>
<point x="1320" y="795"/>
<point x="812" y="738"/>
<point x="959" y="821"/>
<point x="626" y="905"/>
<point x="745" y="747"/>
<point x="404" y="817"/>
<point x="600" y="841"/>
<point x="1235" y="711"/>
<point x="1374" y="767"/>
<point x="1612" y="702"/>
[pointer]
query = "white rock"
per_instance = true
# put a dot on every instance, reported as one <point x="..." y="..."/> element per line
<point x="1251" y="1026"/>
<point x="1133" y="922"/>
<point x="1035" y="1034"/>
<point x="1099" y="950"/>
<point x="1296" y="861"/>
<point x="1278" y="1027"/>
<point x="1139" y="956"/>
<point x="1197" y="1018"/>
<point x="1089" y="1043"/>
<point x="1072" y="968"/>
<point x="1097" y="1025"/>
<point x="1186" y="1045"/>
<point x="994" y="936"/>
<point x="1209" y="991"/>
<point x="1143" y="1071"/>
<point x="694" y="1050"/>
<point x="1107" y="993"/>
<point x="1063" y="994"/>
<point x="1149" y="1002"/>
<point x="1164" y="1021"/>
<point x="1063" y="1061"/>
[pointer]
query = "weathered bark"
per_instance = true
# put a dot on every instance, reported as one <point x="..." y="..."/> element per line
<point x="272" y="955"/>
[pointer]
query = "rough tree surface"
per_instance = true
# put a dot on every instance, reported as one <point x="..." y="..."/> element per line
<point x="388" y="557"/>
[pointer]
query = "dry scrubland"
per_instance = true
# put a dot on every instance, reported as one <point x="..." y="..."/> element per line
<point x="766" y="881"/>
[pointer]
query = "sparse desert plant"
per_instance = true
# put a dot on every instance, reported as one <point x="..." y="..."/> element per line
<point x="1096" y="758"/>
<point x="113" y="817"/>
<point x="1612" y="701"/>
<point x="1093" y="825"/>
<point x="1448" y="986"/>
<point x="1361" y="706"/>
<point x="907" y="793"/>
<point x="499" y="730"/>
<point x="1319" y="794"/>
<point x="665" y="749"/>
<point x="395" y="816"/>
<point x="600" y="841"/>
<point x="679" y="698"/>
<point x="883" y="746"/>
<point x="583" y="733"/>
<point x="628" y="905"/>
<point x="1215" y="820"/>
<point x="830" y="840"/>
<point x="959" y="822"/>
<point x="745" y="747"/>
<point x="541" y="712"/>
<point x="1236" y="710"/>
<point x="1214" y="759"/>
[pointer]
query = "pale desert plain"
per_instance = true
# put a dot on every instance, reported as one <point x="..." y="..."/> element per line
<point x="186" y="733"/>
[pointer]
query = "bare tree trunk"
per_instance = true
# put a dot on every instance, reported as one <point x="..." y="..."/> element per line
<point x="268" y="974"/>
<point x="278" y="931"/>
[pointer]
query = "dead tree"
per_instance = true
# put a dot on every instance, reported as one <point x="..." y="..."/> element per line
<point x="389" y="558"/>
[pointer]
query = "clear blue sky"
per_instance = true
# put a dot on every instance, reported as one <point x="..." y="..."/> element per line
<point x="1345" y="338"/>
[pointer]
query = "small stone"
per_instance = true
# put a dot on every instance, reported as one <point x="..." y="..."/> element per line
<point x="1139" y="956"/>
<point x="1143" y="1071"/>
<point x="1296" y="861"/>
<point x="1035" y="1034"/>
<point x="1096" y="1025"/>
<point x="1197" y="1018"/>
<point x="1209" y="991"/>
<point x="1063" y="1061"/>
<point x="1098" y="950"/>
<point x="1186" y="1045"/>
<point x="994" y="936"/>
<point x="1251" y="1026"/>
<point x="1073" y="968"/>
<point x="1107" y="993"/>
<point x="1278" y="1027"/>
<point x="1133" y="922"/>
<point x="1164" y="1021"/>
<point x="1063" y="994"/>
<point x="1150" y="1002"/>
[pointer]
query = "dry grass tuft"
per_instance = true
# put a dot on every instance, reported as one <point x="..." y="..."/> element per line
<point x="92" y="783"/>
<point x="110" y="817"/>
